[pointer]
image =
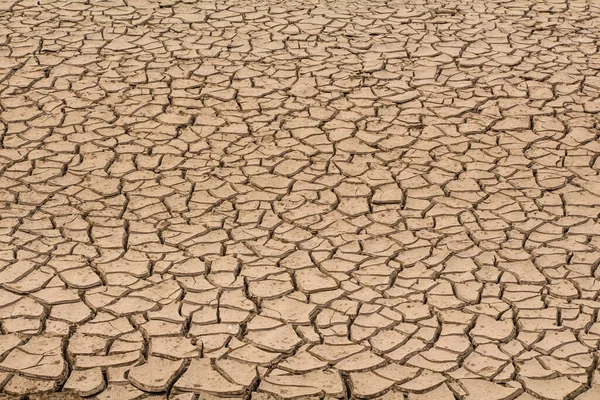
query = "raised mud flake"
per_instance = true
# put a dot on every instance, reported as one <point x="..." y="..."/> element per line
<point x="55" y="396"/>
<point x="282" y="339"/>
<point x="40" y="358"/>
<point x="201" y="376"/>
<point x="334" y="353"/>
<point x="407" y="350"/>
<point x="270" y="288"/>
<point x="173" y="347"/>
<point x="440" y="393"/>
<point x="81" y="278"/>
<point x="397" y="373"/>
<point x="253" y="355"/>
<point x="387" y="340"/>
<point x="312" y="383"/>
<point x="8" y="342"/>
<point x="120" y="391"/>
<point x="71" y="312"/>
<point x="424" y="382"/>
<point x="524" y="271"/>
<point x="554" y="388"/>
<point x="478" y="388"/>
<point x="302" y="361"/>
<point x="367" y="384"/>
<point x="288" y="309"/>
<point x="156" y="375"/>
<point x="86" y="382"/>
<point x="56" y="295"/>
<point x="360" y="362"/>
<point x="20" y="385"/>
<point x="238" y="372"/>
<point x="388" y="194"/>
<point x="413" y="311"/>
<point x="155" y="328"/>
<point x="491" y="329"/>
<point x="130" y="305"/>
<point x="590" y="394"/>
<point x="20" y="114"/>
<point x="312" y="280"/>
<point x="107" y="361"/>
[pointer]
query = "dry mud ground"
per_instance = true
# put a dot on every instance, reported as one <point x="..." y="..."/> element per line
<point x="300" y="199"/>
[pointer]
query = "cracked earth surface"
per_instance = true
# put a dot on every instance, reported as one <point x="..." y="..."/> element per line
<point x="316" y="200"/>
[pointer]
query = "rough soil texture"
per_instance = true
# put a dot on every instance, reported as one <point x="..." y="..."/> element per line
<point x="300" y="199"/>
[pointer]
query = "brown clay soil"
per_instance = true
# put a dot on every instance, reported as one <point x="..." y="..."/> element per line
<point x="303" y="199"/>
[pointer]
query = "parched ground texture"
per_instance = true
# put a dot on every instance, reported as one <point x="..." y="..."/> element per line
<point x="300" y="200"/>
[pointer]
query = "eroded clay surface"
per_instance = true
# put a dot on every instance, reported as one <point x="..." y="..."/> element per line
<point x="300" y="199"/>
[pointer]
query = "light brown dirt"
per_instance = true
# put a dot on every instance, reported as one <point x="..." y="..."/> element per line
<point x="300" y="199"/>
